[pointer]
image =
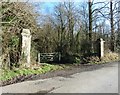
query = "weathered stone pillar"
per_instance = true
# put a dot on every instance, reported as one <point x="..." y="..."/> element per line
<point x="26" y="45"/>
<point x="100" y="49"/>
<point x="38" y="57"/>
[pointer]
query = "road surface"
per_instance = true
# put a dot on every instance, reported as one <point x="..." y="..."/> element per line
<point x="103" y="80"/>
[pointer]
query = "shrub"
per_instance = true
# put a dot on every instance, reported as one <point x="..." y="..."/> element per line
<point x="68" y="58"/>
<point x="92" y="60"/>
<point x="71" y="58"/>
<point x="110" y="57"/>
<point x="77" y="60"/>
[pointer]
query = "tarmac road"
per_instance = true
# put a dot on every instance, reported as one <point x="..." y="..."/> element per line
<point x="103" y="80"/>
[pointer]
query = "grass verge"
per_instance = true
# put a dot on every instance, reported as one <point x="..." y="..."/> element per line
<point x="16" y="72"/>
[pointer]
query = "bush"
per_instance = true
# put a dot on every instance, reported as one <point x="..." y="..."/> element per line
<point x="68" y="58"/>
<point x="110" y="57"/>
<point x="71" y="58"/>
<point x="92" y="60"/>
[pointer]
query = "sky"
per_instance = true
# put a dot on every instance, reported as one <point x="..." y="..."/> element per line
<point x="47" y="8"/>
<point x="44" y="7"/>
<point x="62" y="0"/>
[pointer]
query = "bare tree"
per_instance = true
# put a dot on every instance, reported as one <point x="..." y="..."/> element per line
<point x="119" y="16"/>
<point x="94" y="14"/>
<point x="71" y="20"/>
<point x="90" y="20"/>
<point x="112" y="27"/>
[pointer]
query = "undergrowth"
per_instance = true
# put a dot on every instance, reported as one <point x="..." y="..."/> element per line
<point x="108" y="57"/>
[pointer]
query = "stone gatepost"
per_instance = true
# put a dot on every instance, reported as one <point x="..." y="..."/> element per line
<point x="26" y="45"/>
<point x="100" y="47"/>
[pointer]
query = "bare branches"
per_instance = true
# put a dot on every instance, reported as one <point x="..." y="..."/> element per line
<point x="10" y="22"/>
<point x="99" y="9"/>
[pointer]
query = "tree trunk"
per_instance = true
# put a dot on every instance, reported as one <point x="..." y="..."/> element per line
<point x="90" y="23"/>
<point x="119" y="16"/>
<point x="112" y="28"/>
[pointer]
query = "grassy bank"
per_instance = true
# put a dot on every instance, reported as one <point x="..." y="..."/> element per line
<point x="7" y="74"/>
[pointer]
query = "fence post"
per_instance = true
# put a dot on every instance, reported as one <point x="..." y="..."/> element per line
<point x="100" y="47"/>
<point x="38" y="57"/>
<point x="59" y="56"/>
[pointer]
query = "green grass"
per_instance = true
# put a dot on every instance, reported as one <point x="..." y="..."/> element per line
<point x="9" y="74"/>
